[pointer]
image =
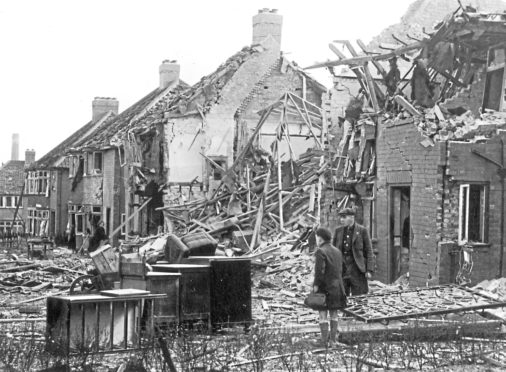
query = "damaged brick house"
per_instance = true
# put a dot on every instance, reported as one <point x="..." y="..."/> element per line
<point x="48" y="183"/>
<point x="120" y="166"/>
<point x="173" y="141"/>
<point x="435" y="201"/>
<point x="208" y="125"/>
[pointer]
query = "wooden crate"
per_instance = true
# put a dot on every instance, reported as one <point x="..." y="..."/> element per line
<point x="194" y="289"/>
<point x="105" y="260"/>
<point x="132" y="265"/>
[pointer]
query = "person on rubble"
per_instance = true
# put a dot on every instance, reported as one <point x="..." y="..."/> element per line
<point x="86" y="243"/>
<point x="422" y="90"/>
<point x="328" y="280"/>
<point x="99" y="237"/>
<point x="354" y="242"/>
<point x="393" y="77"/>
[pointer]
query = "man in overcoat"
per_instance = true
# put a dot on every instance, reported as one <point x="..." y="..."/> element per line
<point x="354" y="242"/>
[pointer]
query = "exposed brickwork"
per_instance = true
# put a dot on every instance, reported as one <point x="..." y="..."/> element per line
<point x="403" y="161"/>
<point x="470" y="97"/>
<point x="466" y="167"/>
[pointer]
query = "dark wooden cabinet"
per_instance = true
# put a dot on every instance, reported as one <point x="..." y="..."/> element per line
<point x="194" y="290"/>
<point x="166" y="309"/>
<point x="230" y="288"/>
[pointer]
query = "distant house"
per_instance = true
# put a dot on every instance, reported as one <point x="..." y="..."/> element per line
<point x="11" y="185"/>
<point x="120" y="164"/>
<point x="48" y="183"/>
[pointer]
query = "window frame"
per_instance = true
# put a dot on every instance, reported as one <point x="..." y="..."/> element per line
<point x="123" y="224"/>
<point x="463" y="230"/>
<point x="98" y="170"/>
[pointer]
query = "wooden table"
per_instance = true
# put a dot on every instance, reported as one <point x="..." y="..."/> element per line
<point x="36" y="243"/>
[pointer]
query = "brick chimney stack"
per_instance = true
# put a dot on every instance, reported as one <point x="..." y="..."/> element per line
<point x="267" y="22"/>
<point x="15" y="147"/>
<point x="169" y="73"/>
<point x="29" y="157"/>
<point x="101" y="105"/>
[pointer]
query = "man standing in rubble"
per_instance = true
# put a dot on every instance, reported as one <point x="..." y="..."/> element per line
<point x="354" y="242"/>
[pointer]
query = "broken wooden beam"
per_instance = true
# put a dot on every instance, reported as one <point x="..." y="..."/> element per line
<point x="407" y="106"/>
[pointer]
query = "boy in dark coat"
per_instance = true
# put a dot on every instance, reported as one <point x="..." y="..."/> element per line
<point x="328" y="280"/>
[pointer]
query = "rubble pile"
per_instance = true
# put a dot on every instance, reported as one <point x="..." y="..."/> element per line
<point x="441" y="125"/>
<point x="464" y="127"/>
<point x="24" y="282"/>
<point x="240" y="214"/>
<point x="494" y="286"/>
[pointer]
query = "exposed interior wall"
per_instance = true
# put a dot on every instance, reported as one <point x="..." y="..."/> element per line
<point x="281" y="79"/>
<point x="186" y="139"/>
<point x="111" y="192"/>
<point x="62" y="196"/>
<point x="221" y="124"/>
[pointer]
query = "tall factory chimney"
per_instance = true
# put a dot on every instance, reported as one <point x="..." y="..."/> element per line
<point x="15" y="147"/>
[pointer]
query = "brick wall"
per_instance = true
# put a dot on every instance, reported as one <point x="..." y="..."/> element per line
<point x="471" y="98"/>
<point x="112" y="183"/>
<point x="62" y="195"/>
<point x="403" y="161"/>
<point x="465" y="167"/>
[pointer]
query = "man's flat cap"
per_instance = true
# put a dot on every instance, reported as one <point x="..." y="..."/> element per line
<point x="346" y="212"/>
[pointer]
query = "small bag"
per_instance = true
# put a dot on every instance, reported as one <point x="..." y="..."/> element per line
<point x="316" y="301"/>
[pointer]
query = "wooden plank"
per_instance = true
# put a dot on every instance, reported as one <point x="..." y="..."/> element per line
<point x="260" y="212"/>
<point x="376" y="64"/>
<point x="118" y="229"/>
<point x="406" y="105"/>
<point x="363" y="59"/>
<point x="372" y="89"/>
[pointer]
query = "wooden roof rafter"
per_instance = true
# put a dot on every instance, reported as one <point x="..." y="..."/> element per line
<point x="360" y="60"/>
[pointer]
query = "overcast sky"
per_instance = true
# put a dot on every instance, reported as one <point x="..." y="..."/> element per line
<point x="56" y="55"/>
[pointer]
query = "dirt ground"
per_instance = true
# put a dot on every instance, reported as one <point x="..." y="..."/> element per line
<point x="281" y="340"/>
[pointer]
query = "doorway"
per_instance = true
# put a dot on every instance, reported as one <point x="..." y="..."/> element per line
<point x="400" y="231"/>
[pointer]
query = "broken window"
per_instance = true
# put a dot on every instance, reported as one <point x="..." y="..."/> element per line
<point x="38" y="221"/>
<point x="13" y="227"/>
<point x="37" y="182"/>
<point x="79" y="223"/>
<point x="493" y="96"/>
<point x="472" y="213"/>
<point x="97" y="162"/>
